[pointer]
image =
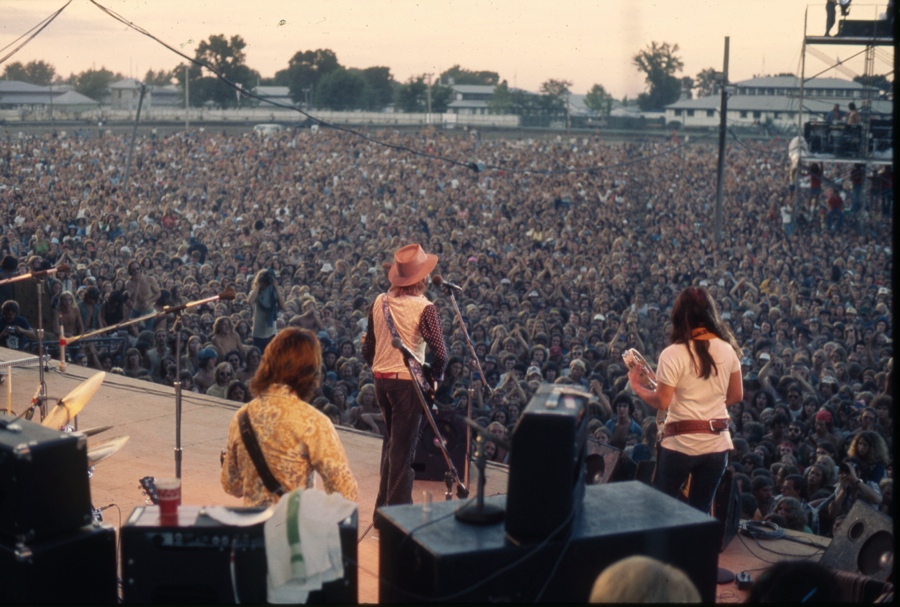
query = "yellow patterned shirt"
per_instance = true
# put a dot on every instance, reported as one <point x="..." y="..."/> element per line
<point x="296" y="440"/>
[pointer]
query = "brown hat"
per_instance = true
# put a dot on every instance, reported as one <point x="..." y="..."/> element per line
<point x="411" y="264"/>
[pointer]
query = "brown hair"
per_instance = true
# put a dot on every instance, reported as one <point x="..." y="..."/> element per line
<point x="293" y="358"/>
<point x="413" y="289"/>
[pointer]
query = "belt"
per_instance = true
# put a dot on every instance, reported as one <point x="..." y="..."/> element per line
<point x="380" y="375"/>
<point x="695" y="426"/>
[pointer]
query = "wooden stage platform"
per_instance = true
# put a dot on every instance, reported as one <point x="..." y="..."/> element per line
<point x="145" y="413"/>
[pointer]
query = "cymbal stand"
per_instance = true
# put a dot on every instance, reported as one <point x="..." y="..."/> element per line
<point x="470" y="393"/>
<point x="42" y="385"/>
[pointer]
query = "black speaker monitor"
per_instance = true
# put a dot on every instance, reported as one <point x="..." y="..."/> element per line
<point x="429" y="463"/>
<point x="546" y="465"/>
<point x="864" y="543"/>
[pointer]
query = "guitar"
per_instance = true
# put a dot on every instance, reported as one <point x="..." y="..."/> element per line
<point x="148" y="490"/>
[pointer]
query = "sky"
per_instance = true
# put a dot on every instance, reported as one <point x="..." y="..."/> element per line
<point x="527" y="42"/>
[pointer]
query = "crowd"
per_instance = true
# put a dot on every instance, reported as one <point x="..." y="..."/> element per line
<point x="569" y="251"/>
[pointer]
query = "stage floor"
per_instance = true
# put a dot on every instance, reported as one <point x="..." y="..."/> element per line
<point x="145" y="413"/>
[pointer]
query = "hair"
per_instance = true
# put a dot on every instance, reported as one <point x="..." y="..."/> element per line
<point x="236" y="383"/>
<point x="878" y="449"/>
<point x="795" y="517"/>
<point x="695" y="309"/>
<point x="641" y="579"/>
<point x="292" y="358"/>
<point x="10" y="304"/>
<point x="800" y="484"/>
<point x="413" y="289"/>
<point x="222" y="366"/>
<point x="796" y="582"/>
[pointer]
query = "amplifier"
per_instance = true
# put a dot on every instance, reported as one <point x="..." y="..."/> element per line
<point x="191" y="563"/>
<point x="44" y="486"/>
<point x="74" y="567"/>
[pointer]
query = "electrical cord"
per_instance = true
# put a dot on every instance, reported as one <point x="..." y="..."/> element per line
<point x="474" y="166"/>
<point x="39" y="27"/>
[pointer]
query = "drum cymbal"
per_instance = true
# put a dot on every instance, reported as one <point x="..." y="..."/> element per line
<point x="72" y="403"/>
<point x="93" y="431"/>
<point x="101" y="451"/>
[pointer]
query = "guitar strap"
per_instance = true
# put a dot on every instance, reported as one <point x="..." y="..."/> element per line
<point x="256" y="455"/>
<point x="415" y="369"/>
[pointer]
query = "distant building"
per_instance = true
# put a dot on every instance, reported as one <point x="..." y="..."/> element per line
<point x="125" y="95"/>
<point x="773" y="100"/>
<point x="471" y="98"/>
<point x="17" y="95"/>
<point x="278" y="94"/>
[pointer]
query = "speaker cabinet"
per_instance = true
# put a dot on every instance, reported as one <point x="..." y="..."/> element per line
<point x="429" y="464"/>
<point x="191" y="563"/>
<point x="44" y="487"/>
<point x="546" y="464"/>
<point x="433" y="558"/>
<point x="74" y="567"/>
<point x="864" y="544"/>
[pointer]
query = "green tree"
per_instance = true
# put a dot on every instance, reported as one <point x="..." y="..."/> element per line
<point x="659" y="64"/>
<point x="598" y="100"/>
<point x="160" y="78"/>
<point x="501" y="102"/>
<point x="95" y="83"/>
<point x="554" y="94"/>
<point x="305" y="70"/>
<point x="687" y="86"/>
<point x="34" y="72"/>
<point x="464" y="76"/>
<point x="227" y="58"/>
<point x="707" y="82"/>
<point x="412" y="96"/>
<point x="340" y="90"/>
<point x="879" y="82"/>
<point x="380" y="85"/>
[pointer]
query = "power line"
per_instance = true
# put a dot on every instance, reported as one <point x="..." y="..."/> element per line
<point x="39" y="27"/>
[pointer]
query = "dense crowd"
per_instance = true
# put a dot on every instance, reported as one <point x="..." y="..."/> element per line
<point x="568" y="250"/>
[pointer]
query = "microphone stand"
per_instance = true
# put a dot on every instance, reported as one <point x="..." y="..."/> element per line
<point x="470" y="393"/>
<point x="42" y="384"/>
<point x="452" y="475"/>
<point x="227" y="294"/>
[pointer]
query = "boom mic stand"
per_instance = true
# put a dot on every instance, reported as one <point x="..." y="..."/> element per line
<point x="228" y="294"/>
<point x="448" y="288"/>
<point x="452" y="475"/>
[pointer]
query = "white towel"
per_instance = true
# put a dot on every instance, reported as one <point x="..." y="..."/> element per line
<point x="303" y="543"/>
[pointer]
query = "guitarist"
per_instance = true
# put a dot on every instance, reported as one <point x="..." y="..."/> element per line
<point x="406" y="314"/>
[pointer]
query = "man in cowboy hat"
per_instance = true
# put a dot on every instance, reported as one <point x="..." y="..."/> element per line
<point x="402" y="313"/>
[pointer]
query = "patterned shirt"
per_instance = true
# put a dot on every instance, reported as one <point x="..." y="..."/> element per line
<point x="296" y="440"/>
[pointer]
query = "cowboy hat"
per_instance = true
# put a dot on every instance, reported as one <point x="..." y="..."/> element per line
<point x="411" y="264"/>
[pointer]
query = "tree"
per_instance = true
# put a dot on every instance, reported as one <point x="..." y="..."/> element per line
<point x="879" y="82"/>
<point x="501" y="101"/>
<point x="305" y="70"/>
<point x="95" y="83"/>
<point x="160" y="78"/>
<point x="463" y="76"/>
<point x="34" y="72"/>
<point x="413" y="96"/>
<point x="554" y="94"/>
<point x="340" y="90"/>
<point x="598" y="100"/>
<point x="708" y="82"/>
<point x="687" y="85"/>
<point x="379" y="90"/>
<point x="226" y="57"/>
<point x="659" y="64"/>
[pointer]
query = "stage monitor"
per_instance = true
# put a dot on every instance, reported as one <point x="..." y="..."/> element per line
<point x="546" y="465"/>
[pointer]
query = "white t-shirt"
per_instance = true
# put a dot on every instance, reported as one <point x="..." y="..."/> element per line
<point x="697" y="398"/>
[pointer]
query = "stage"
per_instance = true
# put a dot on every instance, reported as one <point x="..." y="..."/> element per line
<point x="145" y="412"/>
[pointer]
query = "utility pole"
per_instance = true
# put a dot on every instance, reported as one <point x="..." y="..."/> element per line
<point x="428" y="96"/>
<point x="137" y="118"/>
<point x="187" y="111"/>
<point x="723" y="126"/>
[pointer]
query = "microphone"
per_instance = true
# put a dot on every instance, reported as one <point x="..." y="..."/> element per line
<point x="439" y="281"/>
<point x="407" y="353"/>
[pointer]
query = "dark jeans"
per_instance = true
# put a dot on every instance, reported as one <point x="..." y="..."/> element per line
<point x="706" y="471"/>
<point x="261" y="343"/>
<point x="402" y="413"/>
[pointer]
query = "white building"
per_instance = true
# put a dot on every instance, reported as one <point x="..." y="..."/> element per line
<point x="773" y="100"/>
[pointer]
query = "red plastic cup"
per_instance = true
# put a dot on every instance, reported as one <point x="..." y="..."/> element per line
<point x="168" y="490"/>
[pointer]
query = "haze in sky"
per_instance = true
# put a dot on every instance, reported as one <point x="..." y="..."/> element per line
<point x="526" y="41"/>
